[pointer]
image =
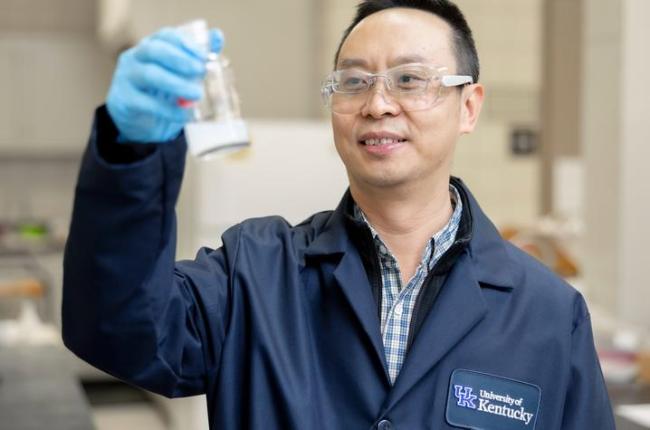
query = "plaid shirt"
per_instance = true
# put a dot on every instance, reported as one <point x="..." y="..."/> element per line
<point x="398" y="303"/>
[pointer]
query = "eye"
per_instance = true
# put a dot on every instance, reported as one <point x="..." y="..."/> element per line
<point x="351" y="82"/>
<point x="410" y="81"/>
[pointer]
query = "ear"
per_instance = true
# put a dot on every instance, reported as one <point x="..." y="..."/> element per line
<point x="470" y="108"/>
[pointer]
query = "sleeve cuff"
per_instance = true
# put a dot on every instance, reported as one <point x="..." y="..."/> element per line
<point x="113" y="151"/>
<point x="128" y="168"/>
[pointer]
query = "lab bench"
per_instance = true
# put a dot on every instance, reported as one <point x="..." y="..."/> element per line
<point x="38" y="390"/>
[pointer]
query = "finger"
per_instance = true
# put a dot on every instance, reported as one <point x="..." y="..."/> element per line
<point x="151" y="77"/>
<point x="171" y="57"/>
<point x="152" y="104"/>
<point x="217" y="40"/>
<point x="176" y="38"/>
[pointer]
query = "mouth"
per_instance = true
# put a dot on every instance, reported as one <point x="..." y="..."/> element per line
<point x="384" y="141"/>
<point x="381" y="138"/>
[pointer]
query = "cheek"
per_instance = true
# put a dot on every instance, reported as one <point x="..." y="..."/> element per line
<point x="425" y="126"/>
<point x="435" y="126"/>
<point x="343" y="130"/>
<point x="436" y="134"/>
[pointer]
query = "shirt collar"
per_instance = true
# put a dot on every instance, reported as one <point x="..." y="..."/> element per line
<point x="493" y="262"/>
<point x="440" y="242"/>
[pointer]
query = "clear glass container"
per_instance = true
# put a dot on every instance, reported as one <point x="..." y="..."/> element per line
<point x="217" y="124"/>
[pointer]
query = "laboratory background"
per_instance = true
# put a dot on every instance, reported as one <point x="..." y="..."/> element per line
<point x="558" y="161"/>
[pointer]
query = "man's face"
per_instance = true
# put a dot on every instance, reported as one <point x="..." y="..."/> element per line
<point x="422" y="141"/>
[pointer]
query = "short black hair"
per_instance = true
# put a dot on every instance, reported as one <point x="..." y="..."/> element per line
<point x="463" y="41"/>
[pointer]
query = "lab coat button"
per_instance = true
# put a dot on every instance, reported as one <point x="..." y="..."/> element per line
<point x="384" y="425"/>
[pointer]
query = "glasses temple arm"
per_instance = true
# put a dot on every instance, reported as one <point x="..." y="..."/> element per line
<point x="455" y="80"/>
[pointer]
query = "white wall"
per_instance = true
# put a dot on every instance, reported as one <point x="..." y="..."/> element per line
<point x="506" y="186"/>
<point x="291" y="170"/>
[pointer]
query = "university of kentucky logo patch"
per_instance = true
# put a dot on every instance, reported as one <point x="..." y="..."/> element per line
<point x="487" y="402"/>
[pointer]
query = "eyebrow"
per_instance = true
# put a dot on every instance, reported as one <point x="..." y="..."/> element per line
<point x="403" y="59"/>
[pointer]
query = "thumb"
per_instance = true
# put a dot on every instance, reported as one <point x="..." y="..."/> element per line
<point x="216" y="40"/>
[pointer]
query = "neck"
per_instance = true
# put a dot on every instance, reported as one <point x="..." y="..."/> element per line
<point x="404" y="211"/>
<point x="406" y="219"/>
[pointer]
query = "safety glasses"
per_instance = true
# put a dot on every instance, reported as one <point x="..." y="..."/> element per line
<point x="414" y="86"/>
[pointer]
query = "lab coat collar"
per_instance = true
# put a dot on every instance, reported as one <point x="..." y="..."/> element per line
<point x="492" y="264"/>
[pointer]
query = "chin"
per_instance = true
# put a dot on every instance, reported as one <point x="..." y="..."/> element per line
<point x="386" y="180"/>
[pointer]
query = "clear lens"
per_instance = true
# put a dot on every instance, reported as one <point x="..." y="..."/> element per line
<point x="413" y="87"/>
<point x="409" y="79"/>
<point x="351" y="81"/>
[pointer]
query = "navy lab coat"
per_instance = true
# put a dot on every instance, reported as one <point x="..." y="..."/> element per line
<point x="280" y="329"/>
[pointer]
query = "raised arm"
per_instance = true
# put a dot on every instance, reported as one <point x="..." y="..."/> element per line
<point x="128" y="308"/>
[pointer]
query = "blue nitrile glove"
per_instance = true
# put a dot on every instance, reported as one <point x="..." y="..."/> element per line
<point x="151" y="82"/>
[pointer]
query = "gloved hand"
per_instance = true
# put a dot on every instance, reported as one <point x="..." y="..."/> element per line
<point x="151" y="82"/>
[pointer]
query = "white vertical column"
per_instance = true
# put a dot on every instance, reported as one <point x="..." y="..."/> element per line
<point x="635" y="161"/>
<point x="616" y="144"/>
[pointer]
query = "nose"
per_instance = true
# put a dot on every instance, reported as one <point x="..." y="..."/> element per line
<point x="378" y="103"/>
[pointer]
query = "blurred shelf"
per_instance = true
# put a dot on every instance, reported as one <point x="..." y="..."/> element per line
<point x="40" y="157"/>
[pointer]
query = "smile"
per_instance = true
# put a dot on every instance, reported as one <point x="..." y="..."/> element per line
<point x="382" y="141"/>
<point x="381" y="138"/>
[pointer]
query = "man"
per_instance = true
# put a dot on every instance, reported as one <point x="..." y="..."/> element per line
<point x="403" y="308"/>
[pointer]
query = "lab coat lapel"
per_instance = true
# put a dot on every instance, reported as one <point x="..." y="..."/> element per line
<point x="458" y="309"/>
<point x="353" y="280"/>
<point x="349" y="274"/>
